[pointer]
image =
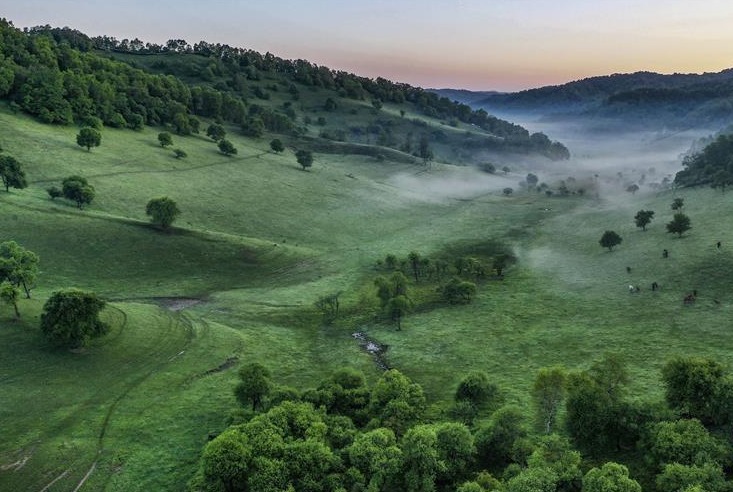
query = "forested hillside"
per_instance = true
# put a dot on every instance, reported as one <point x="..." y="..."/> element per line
<point x="676" y="100"/>
<point x="61" y="76"/>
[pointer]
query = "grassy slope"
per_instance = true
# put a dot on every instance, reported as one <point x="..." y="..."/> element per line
<point x="259" y="240"/>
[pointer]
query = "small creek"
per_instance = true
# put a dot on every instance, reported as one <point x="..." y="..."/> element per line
<point x="372" y="347"/>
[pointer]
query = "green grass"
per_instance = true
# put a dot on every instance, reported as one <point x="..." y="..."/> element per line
<point x="259" y="240"/>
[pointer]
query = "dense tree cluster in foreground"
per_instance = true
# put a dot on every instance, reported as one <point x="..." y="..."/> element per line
<point x="585" y="429"/>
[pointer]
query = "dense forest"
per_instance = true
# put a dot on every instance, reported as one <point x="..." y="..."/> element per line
<point x="347" y="436"/>
<point x="64" y="77"/>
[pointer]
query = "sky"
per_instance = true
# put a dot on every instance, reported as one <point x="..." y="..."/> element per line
<point x="505" y="45"/>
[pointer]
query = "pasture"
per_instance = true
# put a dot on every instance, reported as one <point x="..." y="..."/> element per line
<point x="259" y="240"/>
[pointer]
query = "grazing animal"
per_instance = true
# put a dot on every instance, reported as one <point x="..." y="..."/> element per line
<point x="631" y="289"/>
<point x="655" y="286"/>
<point x="718" y="244"/>
<point x="689" y="299"/>
<point x="665" y="254"/>
<point x="628" y="269"/>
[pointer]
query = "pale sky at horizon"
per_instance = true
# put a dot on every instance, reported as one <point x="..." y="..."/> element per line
<point x="468" y="44"/>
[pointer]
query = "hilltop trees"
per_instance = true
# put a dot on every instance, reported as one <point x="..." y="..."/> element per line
<point x="643" y="218"/>
<point x="88" y="137"/>
<point x="11" y="173"/>
<point x="70" y="318"/>
<point x="610" y="239"/>
<point x="679" y="225"/>
<point x="162" y="211"/>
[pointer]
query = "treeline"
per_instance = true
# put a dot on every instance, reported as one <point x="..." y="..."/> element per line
<point x="345" y="435"/>
<point x="712" y="165"/>
<point x="62" y="76"/>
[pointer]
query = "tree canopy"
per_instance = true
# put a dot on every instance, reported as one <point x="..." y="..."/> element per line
<point x="609" y="240"/>
<point x="679" y="224"/>
<point x="89" y="137"/>
<point x="162" y="211"/>
<point x="11" y="173"/>
<point x="70" y="318"/>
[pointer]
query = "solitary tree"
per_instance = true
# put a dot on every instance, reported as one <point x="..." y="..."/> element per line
<point x="305" y="158"/>
<point x="254" y="385"/>
<point x="77" y="189"/>
<point x="632" y="188"/>
<point x="12" y="173"/>
<point x="277" y="146"/>
<point x="165" y="139"/>
<point x="162" y="211"/>
<point x="678" y="203"/>
<point x="226" y="147"/>
<point x="609" y="240"/>
<point x="88" y="137"/>
<point x="679" y="225"/>
<point x="531" y="180"/>
<point x="216" y="132"/>
<point x="398" y="306"/>
<point x="642" y="218"/>
<point x="70" y="318"/>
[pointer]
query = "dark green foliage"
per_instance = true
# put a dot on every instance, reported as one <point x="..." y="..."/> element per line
<point x="477" y="388"/>
<point x="458" y="291"/>
<point x="77" y="189"/>
<point x="609" y="240"/>
<point x="396" y="402"/>
<point x="254" y="385"/>
<point x="678" y="203"/>
<point x="548" y="394"/>
<point x="277" y="146"/>
<point x="216" y="132"/>
<point x="643" y="218"/>
<point x="88" y="137"/>
<point x="698" y="388"/>
<point x="328" y="305"/>
<point x="165" y="139"/>
<point x="18" y="266"/>
<point x="684" y="441"/>
<point x="531" y="180"/>
<point x="707" y="477"/>
<point x="10" y="295"/>
<point x="54" y="192"/>
<point x="713" y="165"/>
<point x="304" y="158"/>
<point x="377" y="457"/>
<point x="226" y="147"/>
<point x="162" y="211"/>
<point x="495" y="440"/>
<point x="611" y="477"/>
<point x="70" y="318"/>
<point x="180" y="153"/>
<point x="11" y="173"/>
<point x="679" y="225"/>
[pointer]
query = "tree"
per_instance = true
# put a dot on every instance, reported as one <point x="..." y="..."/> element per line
<point x="610" y="239"/>
<point x="721" y="179"/>
<point x="423" y="151"/>
<point x="632" y="188"/>
<point x="477" y="389"/>
<point x="226" y="147"/>
<point x="304" y="158"/>
<point x="12" y="173"/>
<point x="376" y="455"/>
<point x="254" y="385"/>
<point x="496" y="439"/>
<point x="165" y="139"/>
<point x="548" y="394"/>
<point x="88" y="137"/>
<point x="180" y="153"/>
<point x="216" y="132"/>
<point x="507" y="191"/>
<point x="398" y="307"/>
<point x="162" y="211"/>
<point x="684" y="441"/>
<point x="611" y="477"/>
<point x="225" y="460"/>
<point x="679" y="225"/>
<point x="18" y="266"/>
<point x="707" y="477"/>
<point x="642" y="218"/>
<point x="70" y="318"/>
<point x="678" y="203"/>
<point x="77" y="189"/>
<point x="698" y="388"/>
<point x="458" y="291"/>
<point x="531" y="180"/>
<point x="277" y="146"/>
<point x="421" y="460"/>
<point x="10" y="294"/>
<point x="54" y="192"/>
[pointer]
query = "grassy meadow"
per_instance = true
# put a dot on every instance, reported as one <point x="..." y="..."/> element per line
<point x="259" y="240"/>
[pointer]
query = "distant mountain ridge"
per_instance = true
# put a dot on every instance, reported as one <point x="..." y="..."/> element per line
<point x="676" y="100"/>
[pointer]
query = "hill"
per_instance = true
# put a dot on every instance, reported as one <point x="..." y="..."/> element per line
<point x="62" y="76"/>
<point x="637" y="99"/>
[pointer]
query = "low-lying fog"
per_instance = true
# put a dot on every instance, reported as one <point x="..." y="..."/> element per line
<point x="604" y="163"/>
